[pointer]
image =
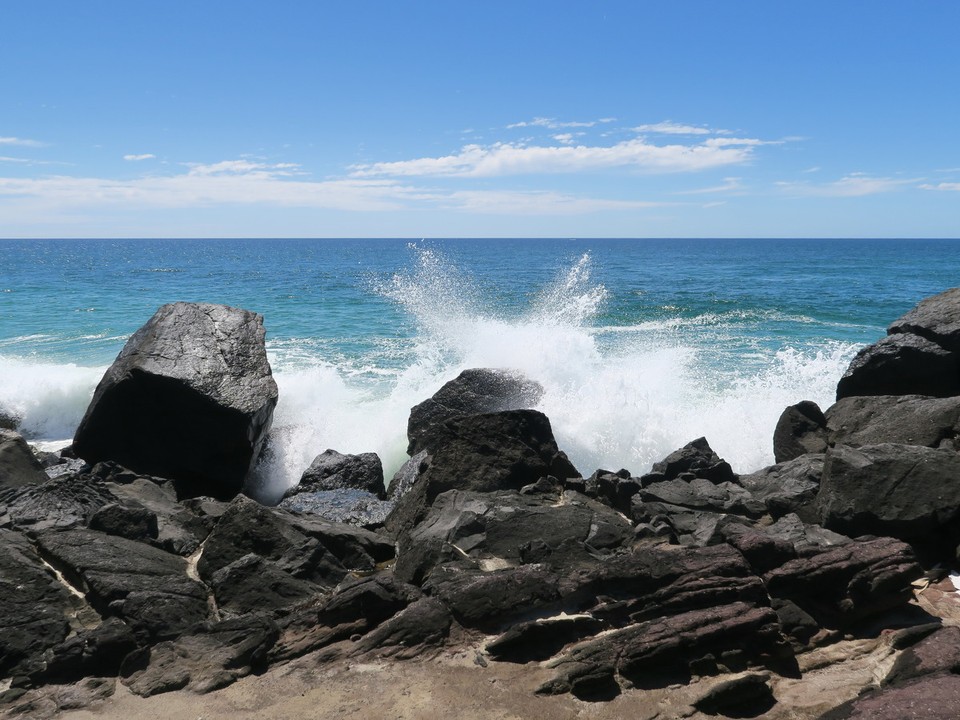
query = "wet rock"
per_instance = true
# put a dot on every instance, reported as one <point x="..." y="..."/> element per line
<point x="474" y="391"/>
<point x="903" y="419"/>
<point x="801" y="429"/>
<point x="695" y="457"/>
<point x="483" y="453"/>
<point x="190" y="397"/>
<point x="146" y="587"/>
<point x="352" y="507"/>
<point x="902" y="364"/>
<point x="334" y="471"/>
<point x="703" y="494"/>
<point x="18" y="465"/>
<point x="904" y="491"/>
<point x="407" y="475"/>
<point x="789" y="487"/>
<point x="9" y="420"/>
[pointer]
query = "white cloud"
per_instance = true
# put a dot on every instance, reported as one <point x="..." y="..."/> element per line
<point x="852" y="185"/>
<point x="21" y="142"/>
<point x="135" y="158"/>
<point x="671" y="128"/>
<point x="566" y="138"/>
<point x="507" y="202"/>
<point x="949" y="186"/>
<point x="730" y="184"/>
<point x="514" y="159"/>
<point x="553" y="124"/>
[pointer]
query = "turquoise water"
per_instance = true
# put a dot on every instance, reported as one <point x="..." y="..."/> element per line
<point x="642" y="345"/>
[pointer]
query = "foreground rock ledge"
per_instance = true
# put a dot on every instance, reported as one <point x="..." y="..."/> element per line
<point x="190" y="397"/>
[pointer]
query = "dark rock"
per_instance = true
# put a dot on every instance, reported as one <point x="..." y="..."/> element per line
<point x="702" y="494"/>
<point x="18" y="465"/>
<point x="939" y="652"/>
<point x="507" y="528"/>
<point x="407" y="475"/>
<point x="789" y="487"/>
<point x="422" y="624"/>
<point x="845" y="584"/>
<point x="695" y="457"/>
<point x="806" y="538"/>
<point x="801" y="429"/>
<point x="904" y="491"/>
<point x="34" y="607"/>
<point x="304" y="547"/>
<point x="487" y="600"/>
<point x="63" y="502"/>
<point x="215" y="656"/>
<point x="251" y="584"/>
<point x="745" y="696"/>
<point x="144" y="586"/>
<point x="133" y="523"/>
<point x="352" y="507"/>
<point x="933" y="697"/>
<point x="190" y="397"/>
<point x="483" y="453"/>
<point x="656" y="653"/>
<point x="762" y="551"/>
<point x="9" y="420"/>
<point x="904" y="419"/>
<point x="936" y="318"/>
<point x="797" y="624"/>
<point x="542" y="639"/>
<point x="472" y="392"/>
<point x="902" y="364"/>
<point x="334" y="471"/>
<point x="91" y="652"/>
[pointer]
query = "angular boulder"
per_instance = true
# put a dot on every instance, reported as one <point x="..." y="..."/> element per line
<point x="18" y="465"/>
<point x="902" y="364"/>
<point x="801" y="429"/>
<point x="331" y="470"/>
<point x="697" y="458"/>
<point x="474" y="391"/>
<point x="904" y="491"/>
<point x="905" y="419"/>
<point x="788" y="487"/>
<point x="190" y="397"/>
<point x="936" y="318"/>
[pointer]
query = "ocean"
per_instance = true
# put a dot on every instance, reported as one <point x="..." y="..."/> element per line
<point x="641" y="345"/>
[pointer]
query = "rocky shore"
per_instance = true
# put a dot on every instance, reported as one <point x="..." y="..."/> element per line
<point x="489" y="577"/>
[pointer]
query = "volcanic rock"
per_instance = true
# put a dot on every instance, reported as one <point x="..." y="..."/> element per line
<point x="472" y="392"/>
<point x="62" y="502"/>
<point x="334" y="471"/>
<point x="936" y="318"/>
<point x="801" y="429"/>
<point x="902" y="364"/>
<point x="695" y="457"/>
<point x="788" y="487"/>
<point x="18" y="465"/>
<point x="190" y="397"/>
<point x="904" y="419"/>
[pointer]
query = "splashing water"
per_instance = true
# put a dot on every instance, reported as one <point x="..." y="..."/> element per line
<point x="617" y="396"/>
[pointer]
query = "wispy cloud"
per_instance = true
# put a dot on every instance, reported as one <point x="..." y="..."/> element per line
<point x="852" y="185"/>
<point x="21" y="142"/>
<point x="515" y="159"/>
<point x="730" y="184"/>
<point x="506" y="202"/>
<point x="671" y="128"/>
<point x="554" y="124"/>
<point x="946" y="186"/>
<point x="136" y="158"/>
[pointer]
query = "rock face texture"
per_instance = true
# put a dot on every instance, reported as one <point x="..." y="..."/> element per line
<point x="801" y="429"/>
<point x="190" y="397"/>
<point x="474" y="391"/>
<point x="18" y="466"/>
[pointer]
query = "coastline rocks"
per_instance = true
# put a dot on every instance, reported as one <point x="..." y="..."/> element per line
<point x="698" y="458"/>
<point x="334" y="471"/>
<point x="472" y="392"/>
<point x="936" y="318"/>
<point x="908" y="492"/>
<point x="801" y="429"/>
<point x="905" y="419"/>
<point x="190" y="397"/>
<point x="788" y="487"/>
<point x="18" y="465"/>
<point x="902" y="364"/>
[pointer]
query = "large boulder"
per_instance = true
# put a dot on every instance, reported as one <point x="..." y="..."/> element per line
<point x="905" y="419"/>
<point x="697" y="459"/>
<point x="801" y="429"/>
<point x="331" y="470"/>
<point x="788" y="487"/>
<point x="474" y="391"/>
<point x="190" y="397"/>
<point x="936" y="318"/>
<point x="18" y="465"/>
<point x="902" y="364"/>
<point x="904" y="491"/>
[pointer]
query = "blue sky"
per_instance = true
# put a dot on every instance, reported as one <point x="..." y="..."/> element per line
<point x="474" y="119"/>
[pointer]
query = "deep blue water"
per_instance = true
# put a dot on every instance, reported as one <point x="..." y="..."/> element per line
<point x="642" y="344"/>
